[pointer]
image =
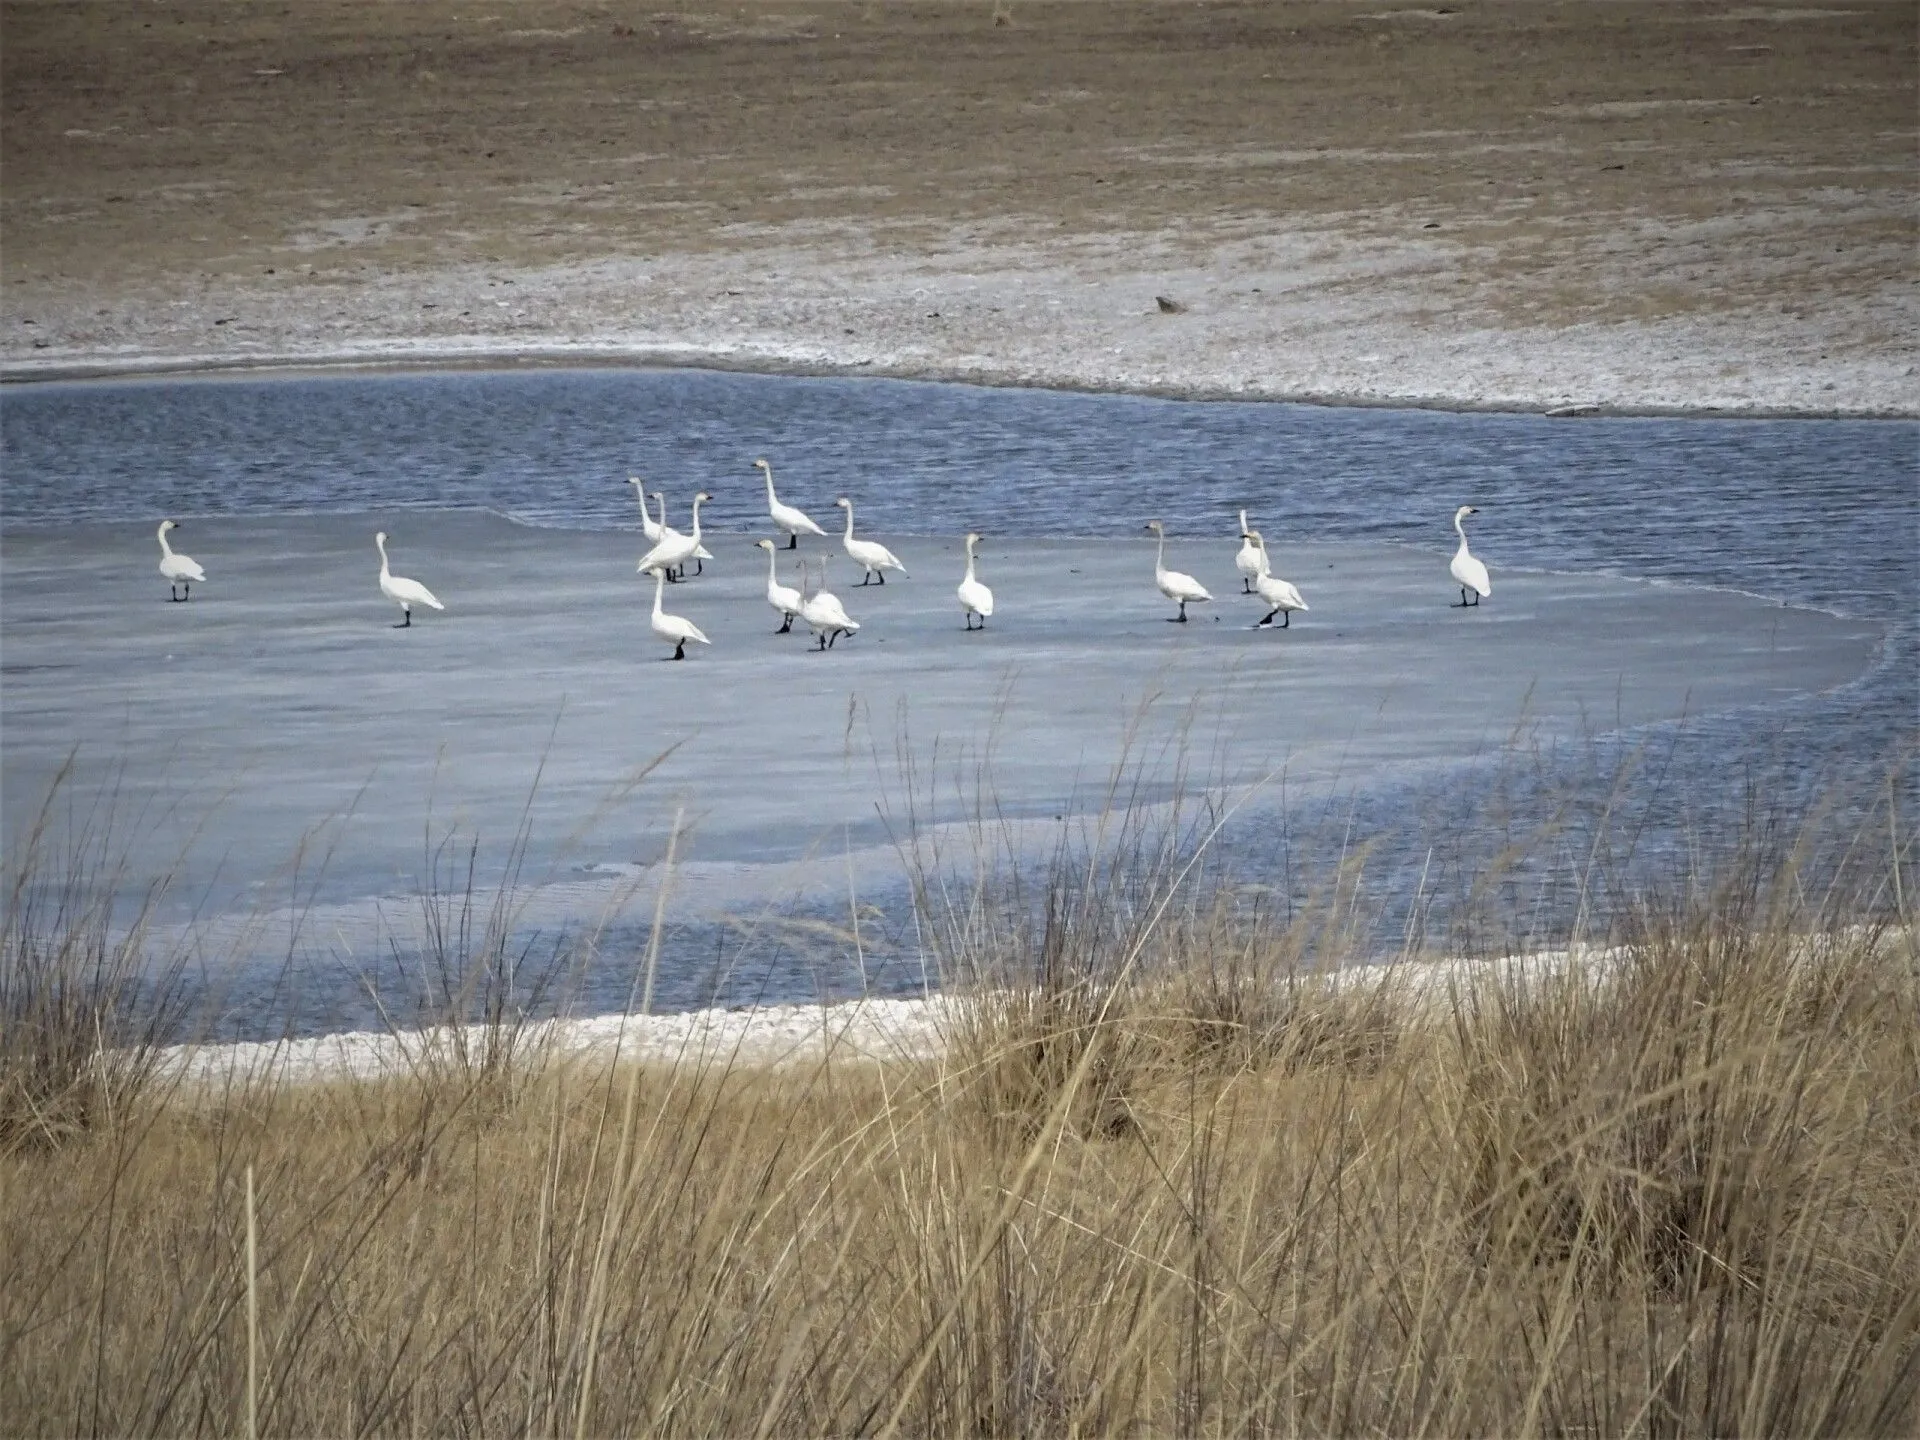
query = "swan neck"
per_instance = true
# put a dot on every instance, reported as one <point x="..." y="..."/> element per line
<point x="385" y="574"/>
<point x="659" y="585"/>
<point x="696" y="520"/>
<point x="1460" y="530"/>
<point x="849" y="508"/>
<point x="767" y="471"/>
<point x="1160" y="551"/>
<point x="165" y="548"/>
<point x="773" y="569"/>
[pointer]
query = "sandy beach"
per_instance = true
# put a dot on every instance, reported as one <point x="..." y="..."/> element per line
<point x="1636" y="207"/>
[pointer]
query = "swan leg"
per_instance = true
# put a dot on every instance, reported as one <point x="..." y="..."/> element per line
<point x="1286" y="620"/>
<point x="883" y="577"/>
<point x="699" y="566"/>
<point x="786" y="625"/>
<point x="1246" y="586"/>
<point x="680" y="651"/>
<point x="406" y="617"/>
<point x="186" y="590"/>
<point x="1183" y="612"/>
<point x="793" y="540"/>
<point x="1268" y="621"/>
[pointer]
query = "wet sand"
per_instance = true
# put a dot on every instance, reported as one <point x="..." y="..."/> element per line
<point x="279" y="702"/>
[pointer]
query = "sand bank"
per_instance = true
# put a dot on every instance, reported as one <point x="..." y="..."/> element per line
<point x="1636" y="207"/>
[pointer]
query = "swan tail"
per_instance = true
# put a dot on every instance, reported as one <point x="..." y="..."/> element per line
<point x="429" y="600"/>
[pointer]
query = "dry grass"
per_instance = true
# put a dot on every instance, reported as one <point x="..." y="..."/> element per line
<point x="1164" y="1181"/>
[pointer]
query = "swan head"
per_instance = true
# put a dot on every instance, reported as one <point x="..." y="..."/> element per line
<point x="763" y="465"/>
<point x="763" y="545"/>
<point x="844" y="503"/>
<point x="1156" y="527"/>
<point x="166" y="525"/>
<point x="1464" y="511"/>
<point x="972" y="539"/>
<point x="380" y="537"/>
<point x="1256" y="537"/>
<point x="701" y="496"/>
<point x="637" y="483"/>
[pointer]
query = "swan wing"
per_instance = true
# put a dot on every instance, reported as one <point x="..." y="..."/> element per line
<point x="1283" y="593"/>
<point x="179" y="567"/>
<point x="668" y="553"/>
<point x="832" y="612"/>
<point x="793" y="520"/>
<point x="1178" y="585"/>
<point x="413" y="592"/>
<point x="976" y="597"/>
<point x="1471" y="573"/>
<point x="874" y="555"/>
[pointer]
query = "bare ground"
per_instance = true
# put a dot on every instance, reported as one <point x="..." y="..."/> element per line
<point x="1631" y="205"/>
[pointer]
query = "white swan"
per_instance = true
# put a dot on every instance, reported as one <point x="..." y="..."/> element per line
<point x="1471" y="574"/>
<point x="877" y="558"/>
<point x="783" y="598"/>
<point x="822" y="610"/>
<point x="406" y="593"/>
<point x="1251" y="562"/>
<point x="975" y="598"/>
<point x="700" y="552"/>
<point x="673" y="627"/>
<point x="179" y="570"/>
<point x="674" y="549"/>
<point x="1278" y="593"/>
<point x="648" y="525"/>
<point x="785" y="517"/>
<point x="1173" y="584"/>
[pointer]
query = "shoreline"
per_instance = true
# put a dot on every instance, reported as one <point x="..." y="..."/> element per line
<point x="430" y="359"/>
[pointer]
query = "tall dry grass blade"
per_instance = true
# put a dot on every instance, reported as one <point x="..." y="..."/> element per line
<point x="253" y="1316"/>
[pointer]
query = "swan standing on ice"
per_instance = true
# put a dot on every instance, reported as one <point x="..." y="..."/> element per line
<point x="1469" y="572"/>
<point x="786" y="517"/>
<point x="648" y="525"/>
<point x="1173" y="584"/>
<point x="1278" y="593"/>
<point x="674" y="549"/>
<point x="673" y="627"/>
<point x="975" y="598"/>
<point x="822" y="610"/>
<point x="783" y="598"/>
<point x="877" y="558"/>
<point x="407" y="593"/>
<point x="700" y="552"/>
<point x="1251" y="562"/>
<point x="180" y="571"/>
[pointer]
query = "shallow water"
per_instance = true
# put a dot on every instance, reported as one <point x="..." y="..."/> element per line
<point x="1720" y="713"/>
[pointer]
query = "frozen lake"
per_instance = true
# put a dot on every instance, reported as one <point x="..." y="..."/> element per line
<point x="1738" y="595"/>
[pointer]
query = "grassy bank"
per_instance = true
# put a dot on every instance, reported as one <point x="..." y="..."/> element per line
<point x="1161" y="1180"/>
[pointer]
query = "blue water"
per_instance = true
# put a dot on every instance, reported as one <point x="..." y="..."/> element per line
<point x="1806" y="512"/>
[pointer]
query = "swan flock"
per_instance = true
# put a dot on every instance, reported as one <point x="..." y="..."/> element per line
<point x="824" y="614"/>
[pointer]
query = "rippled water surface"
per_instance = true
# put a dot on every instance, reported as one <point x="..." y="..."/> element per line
<point x="1823" y="514"/>
<point x="1816" y="512"/>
